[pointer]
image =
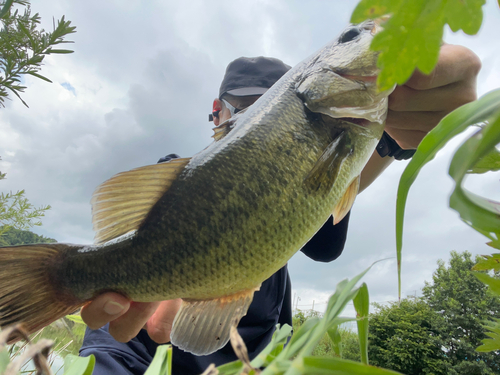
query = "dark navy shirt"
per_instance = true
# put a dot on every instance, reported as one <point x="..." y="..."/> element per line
<point x="272" y="304"/>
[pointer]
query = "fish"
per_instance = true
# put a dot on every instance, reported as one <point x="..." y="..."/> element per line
<point x="210" y="228"/>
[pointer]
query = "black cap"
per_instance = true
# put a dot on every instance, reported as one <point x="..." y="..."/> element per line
<point x="247" y="76"/>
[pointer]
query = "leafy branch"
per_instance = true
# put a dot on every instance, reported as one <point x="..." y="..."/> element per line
<point x="413" y="34"/>
<point x="17" y="212"/>
<point x="23" y="46"/>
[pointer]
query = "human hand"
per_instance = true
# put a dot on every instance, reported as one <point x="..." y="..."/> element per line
<point x="127" y="318"/>
<point x="416" y="107"/>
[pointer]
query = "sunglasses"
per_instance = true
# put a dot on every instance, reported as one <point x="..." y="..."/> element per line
<point x="232" y="110"/>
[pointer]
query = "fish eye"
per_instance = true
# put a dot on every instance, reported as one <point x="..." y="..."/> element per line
<point x="349" y="35"/>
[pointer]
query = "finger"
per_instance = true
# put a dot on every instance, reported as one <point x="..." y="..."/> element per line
<point x="440" y="99"/>
<point x="406" y="139"/>
<point x="422" y="121"/>
<point x="126" y="327"/>
<point x="160" y="324"/>
<point x="103" y="309"/>
<point x="456" y="63"/>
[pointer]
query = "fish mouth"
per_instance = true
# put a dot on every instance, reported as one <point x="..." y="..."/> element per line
<point x="357" y="121"/>
<point x="365" y="79"/>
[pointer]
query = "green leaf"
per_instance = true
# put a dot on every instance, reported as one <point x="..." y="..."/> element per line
<point x="490" y="262"/>
<point x="495" y="244"/>
<point x="466" y="15"/>
<point x="75" y="318"/>
<point x="266" y="356"/>
<point x="300" y="337"/>
<point x="411" y="38"/>
<point x="343" y="294"/>
<point x="362" y="306"/>
<point x="50" y="50"/>
<point x="475" y="210"/>
<point x="337" y="366"/>
<point x="492" y="343"/>
<point x="4" y="359"/>
<point x="39" y="76"/>
<point x="334" y="335"/>
<point x="74" y="365"/>
<point x="230" y="368"/>
<point x="492" y="282"/>
<point x="6" y="8"/>
<point x="162" y="361"/>
<point x="280" y="337"/>
<point x="369" y="9"/>
<point x="453" y="124"/>
<point x="490" y="162"/>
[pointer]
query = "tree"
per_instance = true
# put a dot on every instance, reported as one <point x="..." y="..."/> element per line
<point x="17" y="212"/>
<point x="406" y="338"/>
<point x="22" y="237"/>
<point x="23" y="46"/>
<point x="464" y="303"/>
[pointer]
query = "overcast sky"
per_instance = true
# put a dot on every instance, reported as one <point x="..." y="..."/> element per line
<point x="140" y="85"/>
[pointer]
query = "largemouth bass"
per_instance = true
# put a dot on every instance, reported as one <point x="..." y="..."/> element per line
<point x="209" y="229"/>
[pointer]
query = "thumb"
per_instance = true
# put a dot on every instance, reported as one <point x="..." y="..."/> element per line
<point x="104" y="309"/>
<point x="160" y="324"/>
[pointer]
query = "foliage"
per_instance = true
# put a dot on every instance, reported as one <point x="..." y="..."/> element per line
<point x="23" y="46"/>
<point x="465" y="303"/>
<point x="412" y="36"/>
<point x="411" y="39"/>
<point x="296" y="357"/>
<point x="12" y="237"/>
<point x="17" y="212"/>
<point x="406" y="337"/>
<point x="347" y="339"/>
<point x="478" y="212"/>
<point x="36" y="355"/>
<point x="439" y="332"/>
<point x="66" y="334"/>
<point x="162" y="361"/>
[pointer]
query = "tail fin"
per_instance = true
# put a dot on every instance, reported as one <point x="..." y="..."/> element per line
<point x="28" y="292"/>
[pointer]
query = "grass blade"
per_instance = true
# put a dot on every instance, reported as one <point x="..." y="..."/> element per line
<point x="453" y="124"/>
<point x="362" y="306"/>
<point x="337" y="366"/>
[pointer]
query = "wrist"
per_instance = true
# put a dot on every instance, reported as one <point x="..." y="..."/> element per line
<point x="389" y="147"/>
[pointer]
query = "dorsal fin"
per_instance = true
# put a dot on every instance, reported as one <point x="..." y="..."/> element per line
<point x="345" y="204"/>
<point x="120" y="204"/>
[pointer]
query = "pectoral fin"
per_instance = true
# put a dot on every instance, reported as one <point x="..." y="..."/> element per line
<point x="120" y="204"/>
<point x="203" y="326"/>
<point x="326" y="170"/>
<point x="345" y="204"/>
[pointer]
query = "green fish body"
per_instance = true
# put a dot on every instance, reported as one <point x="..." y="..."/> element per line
<point x="211" y="228"/>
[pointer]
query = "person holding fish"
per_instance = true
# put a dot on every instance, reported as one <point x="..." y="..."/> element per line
<point x="414" y="109"/>
<point x="192" y="248"/>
